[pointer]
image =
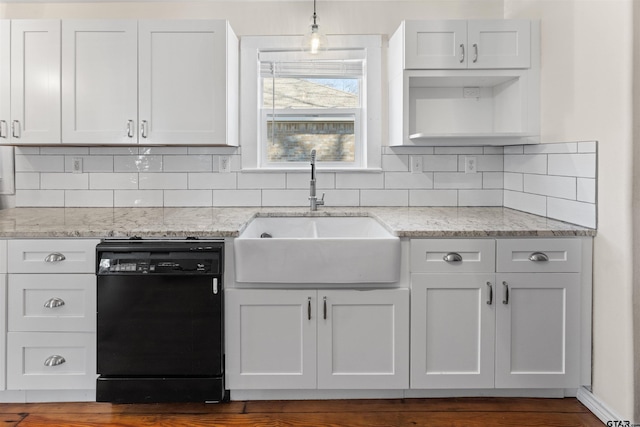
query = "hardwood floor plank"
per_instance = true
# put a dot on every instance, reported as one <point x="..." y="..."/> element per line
<point x="110" y="408"/>
<point x="11" y="420"/>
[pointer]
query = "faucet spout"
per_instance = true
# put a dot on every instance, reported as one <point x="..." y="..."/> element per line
<point x="313" y="200"/>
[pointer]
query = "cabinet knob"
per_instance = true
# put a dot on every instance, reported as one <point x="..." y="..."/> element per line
<point x="538" y="257"/>
<point x="452" y="257"/>
<point x="55" y="257"/>
<point x="54" y="302"/>
<point x="54" y="360"/>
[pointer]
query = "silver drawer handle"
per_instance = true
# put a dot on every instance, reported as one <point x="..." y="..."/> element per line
<point x="461" y="53"/>
<point x="55" y="257"/>
<point x="54" y="302"/>
<point x="452" y="257"/>
<point x="3" y="129"/>
<point x="54" y="360"/>
<point x="538" y="257"/>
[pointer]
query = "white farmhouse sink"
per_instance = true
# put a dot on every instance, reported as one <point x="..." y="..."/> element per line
<point x="316" y="250"/>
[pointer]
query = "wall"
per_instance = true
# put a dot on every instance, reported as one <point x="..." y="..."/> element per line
<point x="586" y="87"/>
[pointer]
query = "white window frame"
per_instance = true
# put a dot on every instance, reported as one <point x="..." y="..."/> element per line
<point x="251" y="115"/>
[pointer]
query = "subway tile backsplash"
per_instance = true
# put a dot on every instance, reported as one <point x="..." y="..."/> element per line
<point x="555" y="180"/>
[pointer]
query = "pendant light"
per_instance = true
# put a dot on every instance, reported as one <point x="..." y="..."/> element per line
<point x="314" y="41"/>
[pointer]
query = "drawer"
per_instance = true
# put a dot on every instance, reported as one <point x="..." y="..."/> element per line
<point x="52" y="302"/>
<point x="51" y="361"/>
<point x="452" y="255"/>
<point x="539" y="255"/>
<point x="52" y="256"/>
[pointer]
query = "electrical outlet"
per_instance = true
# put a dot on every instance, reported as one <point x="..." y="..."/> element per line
<point x="470" y="164"/>
<point x="416" y="164"/>
<point x="76" y="165"/>
<point x="223" y="164"/>
<point x="471" y="92"/>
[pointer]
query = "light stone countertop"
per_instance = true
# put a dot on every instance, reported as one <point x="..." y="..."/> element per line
<point x="229" y="222"/>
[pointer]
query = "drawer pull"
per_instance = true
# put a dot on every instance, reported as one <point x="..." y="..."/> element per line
<point x="55" y="257"/>
<point x="506" y="293"/>
<point x="452" y="257"/>
<point x="54" y="302"/>
<point x="54" y="360"/>
<point x="490" y="300"/>
<point x="538" y="257"/>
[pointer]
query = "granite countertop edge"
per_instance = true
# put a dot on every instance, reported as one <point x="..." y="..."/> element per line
<point x="404" y="222"/>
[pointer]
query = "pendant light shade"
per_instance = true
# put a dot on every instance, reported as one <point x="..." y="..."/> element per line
<point x="314" y="41"/>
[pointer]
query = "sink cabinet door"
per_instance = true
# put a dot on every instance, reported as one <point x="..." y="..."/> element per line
<point x="452" y="331"/>
<point x="538" y="330"/>
<point x="363" y="339"/>
<point x="270" y="339"/>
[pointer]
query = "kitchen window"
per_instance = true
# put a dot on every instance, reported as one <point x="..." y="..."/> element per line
<point x="293" y="102"/>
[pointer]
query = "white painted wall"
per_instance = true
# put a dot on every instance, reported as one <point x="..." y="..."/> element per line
<point x="586" y="90"/>
<point x="586" y="95"/>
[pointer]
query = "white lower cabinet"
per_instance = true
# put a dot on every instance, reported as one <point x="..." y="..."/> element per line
<point x="326" y="339"/>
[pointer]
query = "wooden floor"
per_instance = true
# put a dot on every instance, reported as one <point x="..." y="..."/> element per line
<point x="467" y="412"/>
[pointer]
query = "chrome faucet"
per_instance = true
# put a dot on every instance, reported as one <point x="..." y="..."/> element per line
<point x="313" y="200"/>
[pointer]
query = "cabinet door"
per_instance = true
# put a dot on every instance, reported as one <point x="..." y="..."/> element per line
<point x="3" y="330"/>
<point x="435" y="44"/>
<point x="538" y="330"/>
<point x="182" y="82"/>
<point x="363" y="339"/>
<point x="270" y="339"/>
<point x="100" y="82"/>
<point x="504" y="43"/>
<point x="452" y="331"/>
<point x="5" y="81"/>
<point x="35" y="81"/>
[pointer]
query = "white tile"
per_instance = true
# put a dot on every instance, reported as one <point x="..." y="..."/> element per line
<point x="384" y="198"/>
<point x="549" y="185"/>
<point x="40" y="198"/>
<point x="34" y="163"/>
<point x="408" y="180"/>
<point x="237" y="197"/>
<point x="225" y="151"/>
<point x="571" y="211"/>
<point x="64" y="181"/>
<point x="561" y="147"/>
<point x="457" y="180"/>
<point x="433" y="198"/>
<point x="407" y="150"/>
<point x="485" y="163"/>
<point x="513" y="181"/>
<point x="581" y="165"/>
<point x="80" y="151"/>
<point x="195" y="163"/>
<point x="492" y="150"/>
<point x="90" y="163"/>
<point x="261" y="180"/>
<point x="395" y="163"/>
<point x="531" y="203"/>
<point x="113" y="181"/>
<point x="359" y="180"/>
<point x="341" y="197"/>
<point x="458" y="150"/>
<point x="27" y="181"/>
<point x="88" y="198"/>
<point x="514" y="149"/>
<point x="154" y="151"/>
<point x="188" y="198"/>
<point x="531" y="163"/>
<point x="137" y="198"/>
<point x="25" y="151"/>
<point x="301" y="180"/>
<point x="286" y="197"/>
<point x="480" y="197"/>
<point x="162" y="181"/>
<point x="493" y="180"/>
<point x="137" y="163"/>
<point x="236" y="163"/>
<point x="587" y="190"/>
<point x="441" y="163"/>
<point x="99" y="151"/>
<point x="588" y="147"/>
<point x="210" y="181"/>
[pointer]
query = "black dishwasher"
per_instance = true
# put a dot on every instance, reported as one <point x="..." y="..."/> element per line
<point x="160" y="321"/>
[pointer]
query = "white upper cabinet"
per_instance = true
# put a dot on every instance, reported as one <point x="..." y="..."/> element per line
<point x="151" y="82"/>
<point x="467" y="44"/>
<point x="35" y="82"/>
<point x="100" y="82"/>
<point x="5" y="81"/>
